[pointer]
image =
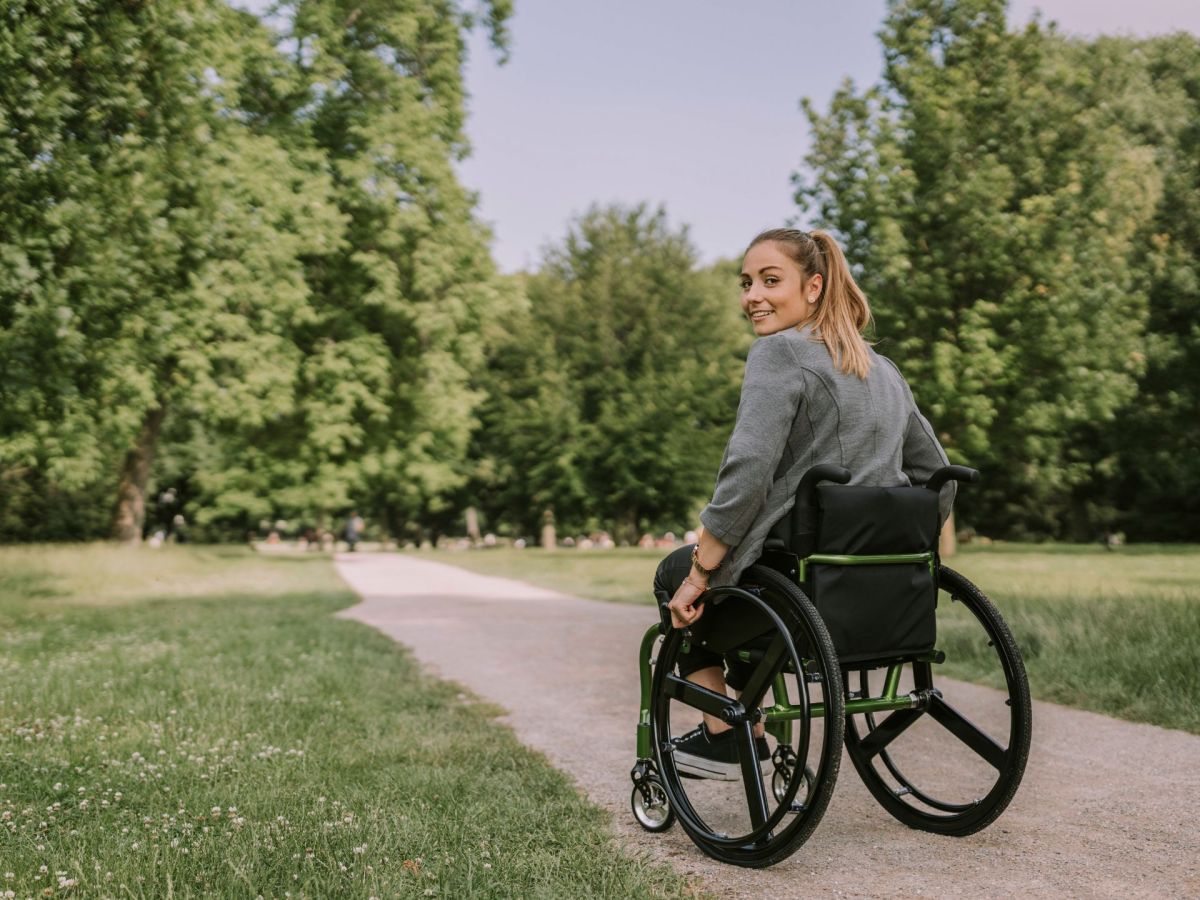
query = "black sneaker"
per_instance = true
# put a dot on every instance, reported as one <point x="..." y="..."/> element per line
<point x="701" y="754"/>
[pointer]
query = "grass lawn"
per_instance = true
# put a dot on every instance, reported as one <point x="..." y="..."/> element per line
<point x="193" y="721"/>
<point x="1113" y="631"/>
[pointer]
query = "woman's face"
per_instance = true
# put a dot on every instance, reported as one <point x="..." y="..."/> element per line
<point x="775" y="293"/>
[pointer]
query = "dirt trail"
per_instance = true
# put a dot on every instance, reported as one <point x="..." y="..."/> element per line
<point x="1107" y="808"/>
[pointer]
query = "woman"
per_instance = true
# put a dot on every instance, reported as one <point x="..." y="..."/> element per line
<point x="814" y="392"/>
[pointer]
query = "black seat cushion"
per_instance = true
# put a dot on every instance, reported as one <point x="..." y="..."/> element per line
<point x="880" y="611"/>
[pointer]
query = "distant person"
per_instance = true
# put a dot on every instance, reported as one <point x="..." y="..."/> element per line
<point x="813" y="392"/>
<point x="354" y="530"/>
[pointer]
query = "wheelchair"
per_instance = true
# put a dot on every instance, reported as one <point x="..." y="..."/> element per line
<point x="846" y="625"/>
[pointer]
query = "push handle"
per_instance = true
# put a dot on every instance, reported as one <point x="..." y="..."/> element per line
<point x="802" y="537"/>
<point x="951" y="473"/>
<point x="815" y="475"/>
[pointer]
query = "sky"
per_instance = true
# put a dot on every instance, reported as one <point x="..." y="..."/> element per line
<point x="689" y="104"/>
<point x="692" y="104"/>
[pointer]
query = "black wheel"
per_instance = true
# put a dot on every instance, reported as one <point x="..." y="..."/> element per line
<point x="742" y="821"/>
<point x="952" y="764"/>
<point x="650" y="805"/>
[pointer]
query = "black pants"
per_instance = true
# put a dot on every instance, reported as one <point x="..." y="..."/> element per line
<point x="671" y="572"/>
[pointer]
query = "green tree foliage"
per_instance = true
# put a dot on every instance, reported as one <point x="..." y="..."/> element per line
<point x="611" y="395"/>
<point x="159" y="231"/>
<point x="261" y="262"/>
<point x="996" y="212"/>
<point x="382" y="406"/>
<point x="1151" y="457"/>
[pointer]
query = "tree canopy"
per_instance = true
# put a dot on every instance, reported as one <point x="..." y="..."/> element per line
<point x="611" y="395"/>
<point x="1009" y="210"/>
<point x="244" y="249"/>
<point x="239" y="274"/>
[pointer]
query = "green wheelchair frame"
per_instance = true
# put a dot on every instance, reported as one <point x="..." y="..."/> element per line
<point x="800" y="792"/>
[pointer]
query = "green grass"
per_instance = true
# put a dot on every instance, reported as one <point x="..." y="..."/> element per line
<point x="193" y="721"/>
<point x="1117" y="632"/>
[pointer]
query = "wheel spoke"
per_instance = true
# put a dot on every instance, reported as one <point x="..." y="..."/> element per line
<point x="888" y="730"/>
<point x="764" y="674"/>
<point x="756" y="797"/>
<point x="967" y="732"/>
<point x="695" y="696"/>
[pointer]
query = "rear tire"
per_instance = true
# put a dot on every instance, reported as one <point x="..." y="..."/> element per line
<point x="799" y="648"/>
<point x="997" y="748"/>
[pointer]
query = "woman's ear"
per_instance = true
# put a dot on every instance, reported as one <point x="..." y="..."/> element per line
<point x="815" y="284"/>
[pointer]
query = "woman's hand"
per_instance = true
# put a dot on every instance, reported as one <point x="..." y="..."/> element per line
<point x="684" y="612"/>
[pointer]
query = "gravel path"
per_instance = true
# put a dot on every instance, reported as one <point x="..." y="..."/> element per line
<point x="1107" y="808"/>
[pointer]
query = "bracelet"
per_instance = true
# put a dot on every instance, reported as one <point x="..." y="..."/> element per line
<point x="707" y="573"/>
<point x="703" y="587"/>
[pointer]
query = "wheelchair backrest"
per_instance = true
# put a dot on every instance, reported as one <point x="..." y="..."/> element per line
<point x="872" y="569"/>
<point x="858" y="519"/>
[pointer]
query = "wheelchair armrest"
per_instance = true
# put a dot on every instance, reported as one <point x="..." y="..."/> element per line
<point x="951" y="473"/>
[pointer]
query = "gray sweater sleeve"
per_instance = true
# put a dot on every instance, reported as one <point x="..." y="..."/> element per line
<point x="772" y="391"/>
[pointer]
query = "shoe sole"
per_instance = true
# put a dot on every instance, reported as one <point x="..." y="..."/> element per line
<point x="691" y="766"/>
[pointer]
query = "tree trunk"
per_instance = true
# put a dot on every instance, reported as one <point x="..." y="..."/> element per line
<point x="549" y="536"/>
<point x="625" y="529"/>
<point x="948" y="541"/>
<point x="130" y="515"/>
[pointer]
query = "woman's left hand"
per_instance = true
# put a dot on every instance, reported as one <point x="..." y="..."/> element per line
<point x="684" y="612"/>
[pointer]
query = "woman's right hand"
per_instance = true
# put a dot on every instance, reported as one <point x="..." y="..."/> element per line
<point x="684" y="611"/>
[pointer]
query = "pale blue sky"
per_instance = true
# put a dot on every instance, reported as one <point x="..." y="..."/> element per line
<point x="693" y="104"/>
<point x="690" y="103"/>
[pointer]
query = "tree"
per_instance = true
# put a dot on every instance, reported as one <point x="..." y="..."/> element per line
<point x="264" y="261"/>
<point x="613" y="394"/>
<point x="382" y="403"/>
<point x="1147" y="457"/>
<point x="994" y="214"/>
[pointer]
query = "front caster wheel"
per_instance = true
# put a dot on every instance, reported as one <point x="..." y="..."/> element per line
<point x="781" y="780"/>
<point x="650" y="805"/>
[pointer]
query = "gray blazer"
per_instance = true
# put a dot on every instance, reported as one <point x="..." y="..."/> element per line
<point x="798" y="410"/>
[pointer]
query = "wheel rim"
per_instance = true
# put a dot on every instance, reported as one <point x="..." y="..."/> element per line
<point x="953" y="764"/>
<point x="769" y="817"/>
